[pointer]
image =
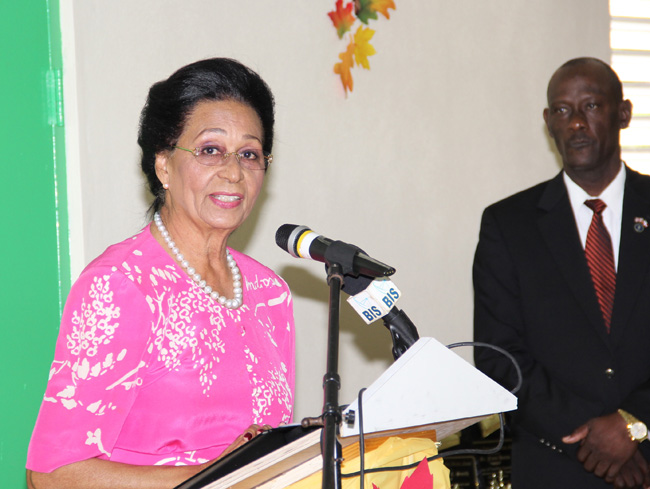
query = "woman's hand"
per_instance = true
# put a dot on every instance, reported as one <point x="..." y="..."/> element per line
<point x="251" y="432"/>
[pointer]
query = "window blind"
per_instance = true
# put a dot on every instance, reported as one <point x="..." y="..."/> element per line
<point x="630" y="43"/>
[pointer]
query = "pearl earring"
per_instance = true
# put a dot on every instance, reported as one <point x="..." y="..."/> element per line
<point x="166" y="186"/>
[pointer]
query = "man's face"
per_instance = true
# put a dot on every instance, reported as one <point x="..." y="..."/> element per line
<point x="584" y="118"/>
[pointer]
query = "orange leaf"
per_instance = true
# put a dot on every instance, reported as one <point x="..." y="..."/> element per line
<point x="342" y="17"/>
<point x="343" y="68"/>
<point x="382" y="6"/>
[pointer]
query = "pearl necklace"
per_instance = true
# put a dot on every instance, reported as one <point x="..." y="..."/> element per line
<point x="237" y="299"/>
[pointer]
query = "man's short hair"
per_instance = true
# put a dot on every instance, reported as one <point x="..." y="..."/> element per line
<point x="614" y="82"/>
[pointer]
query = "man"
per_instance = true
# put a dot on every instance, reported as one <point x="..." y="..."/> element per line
<point x="565" y="287"/>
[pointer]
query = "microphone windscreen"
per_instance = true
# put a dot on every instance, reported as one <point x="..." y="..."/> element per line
<point x="282" y="235"/>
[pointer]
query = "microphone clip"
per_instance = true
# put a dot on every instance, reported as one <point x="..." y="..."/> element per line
<point x="344" y="255"/>
<point x="402" y="331"/>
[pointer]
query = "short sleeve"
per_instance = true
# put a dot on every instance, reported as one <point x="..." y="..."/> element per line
<point x="101" y="351"/>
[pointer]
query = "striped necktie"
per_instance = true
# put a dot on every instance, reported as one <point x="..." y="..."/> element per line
<point x="600" y="258"/>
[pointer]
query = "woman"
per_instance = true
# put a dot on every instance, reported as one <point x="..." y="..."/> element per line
<point x="171" y="343"/>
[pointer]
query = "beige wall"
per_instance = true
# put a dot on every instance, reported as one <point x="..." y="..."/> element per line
<point x="448" y="120"/>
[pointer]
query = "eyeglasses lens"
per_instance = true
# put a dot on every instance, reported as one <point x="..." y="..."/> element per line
<point x="219" y="159"/>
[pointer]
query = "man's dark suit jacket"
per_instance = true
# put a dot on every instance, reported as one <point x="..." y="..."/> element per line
<point x="534" y="297"/>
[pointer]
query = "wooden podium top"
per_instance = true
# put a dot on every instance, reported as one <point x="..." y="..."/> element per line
<point x="299" y="458"/>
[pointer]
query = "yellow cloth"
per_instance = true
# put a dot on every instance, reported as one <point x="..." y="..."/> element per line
<point x="394" y="451"/>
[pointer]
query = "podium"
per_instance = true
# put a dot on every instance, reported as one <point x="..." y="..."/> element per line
<point x="429" y="391"/>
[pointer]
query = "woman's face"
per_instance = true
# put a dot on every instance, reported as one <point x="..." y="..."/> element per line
<point x="213" y="197"/>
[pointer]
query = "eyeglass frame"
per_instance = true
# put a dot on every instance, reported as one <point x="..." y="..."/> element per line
<point x="268" y="158"/>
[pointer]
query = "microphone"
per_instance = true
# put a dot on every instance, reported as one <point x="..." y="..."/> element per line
<point x="374" y="299"/>
<point x="302" y="242"/>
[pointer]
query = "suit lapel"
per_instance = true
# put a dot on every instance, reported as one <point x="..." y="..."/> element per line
<point x="558" y="228"/>
<point x="634" y="253"/>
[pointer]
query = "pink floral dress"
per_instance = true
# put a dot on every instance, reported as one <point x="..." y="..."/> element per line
<point x="149" y="370"/>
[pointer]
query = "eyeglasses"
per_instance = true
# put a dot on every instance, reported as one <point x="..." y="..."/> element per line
<point x="249" y="159"/>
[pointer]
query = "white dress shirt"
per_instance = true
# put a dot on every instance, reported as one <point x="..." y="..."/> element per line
<point x="612" y="215"/>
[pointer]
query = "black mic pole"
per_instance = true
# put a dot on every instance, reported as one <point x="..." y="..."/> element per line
<point x="340" y="259"/>
<point x="330" y="445"/>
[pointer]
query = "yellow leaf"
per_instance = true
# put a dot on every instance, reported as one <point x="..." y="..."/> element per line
<point x="362" y="46"/>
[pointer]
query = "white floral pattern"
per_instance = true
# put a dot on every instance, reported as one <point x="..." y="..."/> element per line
<point x="149" y="370"/>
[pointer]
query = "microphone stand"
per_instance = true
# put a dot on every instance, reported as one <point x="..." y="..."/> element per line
<point x="330" y="446"/>
<point x="340" y="259"/>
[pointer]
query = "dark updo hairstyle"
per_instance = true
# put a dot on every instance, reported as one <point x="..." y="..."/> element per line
<point x="171" y="102"/>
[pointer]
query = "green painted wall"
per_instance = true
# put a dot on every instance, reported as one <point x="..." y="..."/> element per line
<point x="33" y="220"/>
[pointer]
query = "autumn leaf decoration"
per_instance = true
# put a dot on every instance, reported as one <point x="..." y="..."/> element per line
<point x="343" y="68"/>
<point x="359" y="47"/>
<point x="342" y="18"/>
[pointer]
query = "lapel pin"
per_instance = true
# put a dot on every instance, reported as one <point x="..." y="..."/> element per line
<point x="640" y="224"/>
